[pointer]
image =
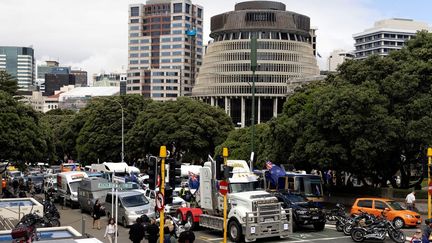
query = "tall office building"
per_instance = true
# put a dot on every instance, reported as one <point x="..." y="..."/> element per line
<point x="165" y="48"/>
<point x="20" y="63"/>
<point x="80" y="78"/>
<point x="386" y="36"/>
<point x="50" y="67"/>
<point x="285" y="57"/>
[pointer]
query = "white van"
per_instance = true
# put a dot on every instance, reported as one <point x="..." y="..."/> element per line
<point x="67" y="186"/>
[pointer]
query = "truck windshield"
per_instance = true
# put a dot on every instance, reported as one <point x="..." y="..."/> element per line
<point x="243" y="187"/>
<point x="74" y="186"/>
<point x="134" y="201"/>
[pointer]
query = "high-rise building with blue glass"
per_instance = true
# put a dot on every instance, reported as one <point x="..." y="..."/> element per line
<point x="20" y="63"/>
<point x="165" y="48"/>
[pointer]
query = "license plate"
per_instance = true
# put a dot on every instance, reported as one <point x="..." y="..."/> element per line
<point x="268" y="220"/>
<point x="315" y="217"/>
<point x="252" y="230"/>
<point x="285" y="226"/>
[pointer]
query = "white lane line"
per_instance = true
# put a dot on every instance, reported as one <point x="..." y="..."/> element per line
<point x="321" y="239"/>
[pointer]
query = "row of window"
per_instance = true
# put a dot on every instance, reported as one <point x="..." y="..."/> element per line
<point x="383" y="36"/>
<point x="376" y="51"/>
<point x="261" y="35"/>
<point x="267" y="45"/>
<point x="165" y="9"/>
<point x="248" y="90"/>
<point x="245" y="78"/>
<point x="380" y="43"/>
<point x="268" y="67"/>
<point x="265" y="56"/>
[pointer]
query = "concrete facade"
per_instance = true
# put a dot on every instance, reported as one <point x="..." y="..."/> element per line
<point x="285" y="53"/>
<point x="386" y="36"/>
<point x="337" y="57"/>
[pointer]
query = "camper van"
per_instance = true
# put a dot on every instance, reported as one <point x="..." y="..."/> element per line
<point x="132" y="205"/>
<point x="121" y="170"/>
<point x="89" y="192"/>
<point x="67" y="186"/>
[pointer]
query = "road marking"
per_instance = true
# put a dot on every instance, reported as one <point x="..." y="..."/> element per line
<point x="321" y="239"/>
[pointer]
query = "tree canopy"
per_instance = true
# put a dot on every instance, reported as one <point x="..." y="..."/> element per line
<point x="192" y="127"/>
<point x="8" y="83"/>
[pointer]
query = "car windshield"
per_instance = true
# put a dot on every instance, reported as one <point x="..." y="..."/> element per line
<point x="134" y="201"/>
<point x="295" y="198"/>
<point x="38" y="179"/>
<point x="74" y="186"/>
<point x="395" y="205"/>
<point x="243" y="187"/>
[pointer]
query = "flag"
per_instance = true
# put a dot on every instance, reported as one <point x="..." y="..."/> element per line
<point x="193" y="180"/>
<point x="274" y="172"/>
<point x="269" y="165"/>
<point x="73" y="167"/>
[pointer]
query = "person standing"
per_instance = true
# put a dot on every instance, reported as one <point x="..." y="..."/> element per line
<point x="97" y="212"/>
<point x="168" y="237"/>
<point x="136" y="232"/>
<point x="111" y="230"/>
<point x="152" y="231"/>
<point x="410" y="201"/>
<point x="427" y="229"/>
<point x="186" y="236"/>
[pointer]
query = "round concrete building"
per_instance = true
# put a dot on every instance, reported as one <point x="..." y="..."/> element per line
<point x="285" y="55"/>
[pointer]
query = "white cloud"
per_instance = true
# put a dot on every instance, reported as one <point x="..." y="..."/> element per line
<point x="92" y="34"/>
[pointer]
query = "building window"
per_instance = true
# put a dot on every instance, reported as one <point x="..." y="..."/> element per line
<point x="177" y="32"/>
<point x="133" y="62"/>
<point x="188" y="8"/>
<point x="134" y="35"/>
<point x="171" y="88"/>
<point x="165" y="54"/>
<point x="134" y="48"/>
<point x="134" y="55"/>
<point x="177" y="46"/>
<point x="158" y="88"/>
<point x="144" y="54"/>
<point x="171" y="73"/>
<point x="174" y="25"/>
<point x="145" y="41"/>
<point x="177" y="18"/>
<point x="134" y="21"/>
<point x="199" y="13"/>
<point x="134" y="28"/>
<point x="177" y="39"/>
<point x="144" y="61"/>
<point x="177" y="53"/>
<point x="133" y="41"/>
<point x="144" y="47"/>
<point x="166" y="39"/>
<point x="157" y="95"/>
<point x="155" y="20"/>
<point x="165" y="61"/>
<point x="171" y="81"/>
<point x="171" y="95"/>
<point x="158" y="74"/>
<point x="166" y="46"/>
<point x="177" y="7"/>
<point x="177" y="60"/>
<point x="134" y="11"/>
<point x="158" y="81"/>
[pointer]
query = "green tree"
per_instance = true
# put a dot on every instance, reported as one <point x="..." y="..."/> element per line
<point x="21" y="136"/>
<point x="239" y="146"/>
<point x="99" y="127"/>
<point x="193" y="127"/>
<point x="8" y="83"/>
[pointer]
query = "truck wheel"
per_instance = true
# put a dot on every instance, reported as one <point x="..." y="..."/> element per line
<point x="124" y="222"/>
<point x="319" y="226"/>
<point x="235" y="231"/>
<point x="179" y="216"/>
<point x="189" y="219"/>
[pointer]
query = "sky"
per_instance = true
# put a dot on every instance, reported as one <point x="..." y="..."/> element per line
<point x="92" y="34"/>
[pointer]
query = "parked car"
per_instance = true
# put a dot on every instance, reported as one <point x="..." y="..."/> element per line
<point x="305" y="212"/>
<point x="131" y="205"/>
<point x="397" y="214"/>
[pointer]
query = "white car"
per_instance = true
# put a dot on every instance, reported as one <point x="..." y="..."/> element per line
<point x="170" y="208"/>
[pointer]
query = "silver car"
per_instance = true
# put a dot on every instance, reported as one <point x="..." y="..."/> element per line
<point x="131" y="205"/>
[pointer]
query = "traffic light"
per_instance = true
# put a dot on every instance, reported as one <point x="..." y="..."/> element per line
<point x="174" y="174"/>
<point x="151" y="172"/>
<point x="219" y="167"/>
<point x="227" y="171"/>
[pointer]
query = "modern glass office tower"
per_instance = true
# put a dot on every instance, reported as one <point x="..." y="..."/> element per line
<point x="165" y="48"/>
<point x="20" y="63"/>
<point x="285" y="55"/>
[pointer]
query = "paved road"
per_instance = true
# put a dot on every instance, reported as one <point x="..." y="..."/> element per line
<point x="76" y="219"/>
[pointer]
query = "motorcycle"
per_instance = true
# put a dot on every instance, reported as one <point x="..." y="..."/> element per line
<point x="41" y="222"/>
<point x="50" y="210"/>
<point x="338" y="215"/>
<point x="25" y="230"/>
<point x="378" y="230"/>
<point x="363" y="217"/>
<point x="178" y="227"/>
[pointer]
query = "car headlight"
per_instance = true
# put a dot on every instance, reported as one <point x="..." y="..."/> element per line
<point x="301" y="212"/>
<point x="409" y="216"/>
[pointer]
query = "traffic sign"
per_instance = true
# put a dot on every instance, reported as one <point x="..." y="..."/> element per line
<point x="430" y="188"/>
<point x="223" y="187"/>
<point x="160" y="201"/>
<point x="105" y="185"/>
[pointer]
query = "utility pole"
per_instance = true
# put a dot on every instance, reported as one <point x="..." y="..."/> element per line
<point x="429" y="155"/>
<point x="162" y="155"/>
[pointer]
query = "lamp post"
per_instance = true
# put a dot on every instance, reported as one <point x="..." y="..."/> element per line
<point x="253" y="56"/>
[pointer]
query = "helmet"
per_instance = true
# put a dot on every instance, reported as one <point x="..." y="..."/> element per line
<point x="187" y="226"/>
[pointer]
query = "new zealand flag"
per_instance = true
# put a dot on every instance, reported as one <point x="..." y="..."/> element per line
<point x="193" y="180"/>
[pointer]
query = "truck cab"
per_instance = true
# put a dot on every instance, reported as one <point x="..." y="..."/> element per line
<point x="252" y="212"/>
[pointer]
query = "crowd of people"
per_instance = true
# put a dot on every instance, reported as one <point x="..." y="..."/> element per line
<point x="147" y="228"/>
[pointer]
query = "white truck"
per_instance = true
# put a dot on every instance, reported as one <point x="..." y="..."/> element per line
<point x="252" y="213"/>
